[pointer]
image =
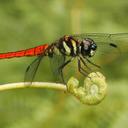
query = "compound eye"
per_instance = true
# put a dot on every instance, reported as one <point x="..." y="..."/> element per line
<point x="94" y="47"/>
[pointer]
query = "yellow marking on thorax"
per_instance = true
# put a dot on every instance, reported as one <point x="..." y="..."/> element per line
<point x="74" y="46"/>
<point x="68" y="51"/>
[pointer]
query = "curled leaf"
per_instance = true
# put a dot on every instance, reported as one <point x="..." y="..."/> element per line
<point x="92" y="92"/>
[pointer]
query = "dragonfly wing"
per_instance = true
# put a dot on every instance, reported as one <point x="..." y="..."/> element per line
<point x="32" y="69"/>
<point x="121" y="40"/>
<point x="107" y="41"/>
<point x="109" y="46"/>
<point x="55" y="63"/>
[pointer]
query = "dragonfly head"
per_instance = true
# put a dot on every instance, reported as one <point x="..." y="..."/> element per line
<point x="88" y="47"/>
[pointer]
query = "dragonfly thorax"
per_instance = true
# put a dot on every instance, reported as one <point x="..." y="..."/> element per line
<point x="69" y="46"/>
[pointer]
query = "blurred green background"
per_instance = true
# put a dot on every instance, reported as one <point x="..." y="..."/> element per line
<point x="28" y="23"/>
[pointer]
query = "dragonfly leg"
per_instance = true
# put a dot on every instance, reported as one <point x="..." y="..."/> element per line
<point x="62" y="67"/>
<point x="31" y="70"/>
<point x="84" y="63"/>
<point x="92" y="63"/>
<point x="81" y="70"/>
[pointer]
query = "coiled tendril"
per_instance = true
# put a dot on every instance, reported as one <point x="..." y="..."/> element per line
<point x="92" y="92"/>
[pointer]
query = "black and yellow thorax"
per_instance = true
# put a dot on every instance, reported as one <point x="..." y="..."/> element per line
<point x="69" y="46"/>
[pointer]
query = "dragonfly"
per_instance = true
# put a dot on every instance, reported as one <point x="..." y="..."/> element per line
<point x="82" y="47"/>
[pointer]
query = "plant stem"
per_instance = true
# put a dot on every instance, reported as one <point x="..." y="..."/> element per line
<point x="48" y="85"/>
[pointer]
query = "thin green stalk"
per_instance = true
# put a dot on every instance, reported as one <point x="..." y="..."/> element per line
<point x="48" y="85"/>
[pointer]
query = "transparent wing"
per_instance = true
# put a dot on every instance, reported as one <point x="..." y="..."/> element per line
<point x="55" y="63"/>
<point x="109" y="46"/>
<point x="106" y="41"/>
<point x="32" y="69"/>
<point x="121" y="40"/>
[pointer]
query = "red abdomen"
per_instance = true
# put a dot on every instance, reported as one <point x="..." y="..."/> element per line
<point x="28" y="52"/>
